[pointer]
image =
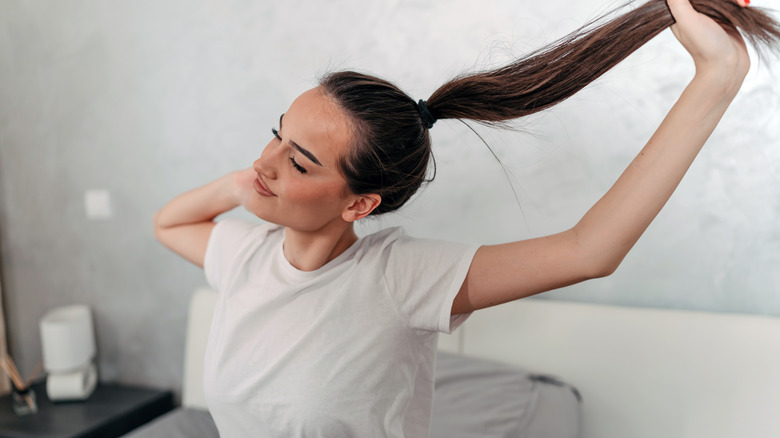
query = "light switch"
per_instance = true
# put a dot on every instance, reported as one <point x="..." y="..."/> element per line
<point x="98" y="204"/>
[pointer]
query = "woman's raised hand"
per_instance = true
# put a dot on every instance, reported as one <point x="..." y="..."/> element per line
<point x="184" y="224"/>
<point x="242" y="185"/>
<point x="714" y="48"/>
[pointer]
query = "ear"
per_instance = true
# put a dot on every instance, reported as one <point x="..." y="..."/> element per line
<point x="361" y="206"/>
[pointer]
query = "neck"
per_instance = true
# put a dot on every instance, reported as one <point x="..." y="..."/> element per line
<point x="309" y="251"/>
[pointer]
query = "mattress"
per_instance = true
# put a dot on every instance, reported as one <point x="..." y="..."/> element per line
<point x="472" y="398"/>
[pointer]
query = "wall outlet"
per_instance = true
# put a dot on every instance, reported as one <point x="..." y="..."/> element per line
<point x="98" y="204"/>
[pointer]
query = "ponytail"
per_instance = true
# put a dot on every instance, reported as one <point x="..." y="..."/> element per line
<point x="554" y="73"/>
<point x="391" y="146"/>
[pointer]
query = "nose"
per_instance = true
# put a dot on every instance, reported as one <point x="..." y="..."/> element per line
<point x="267" y="163"/>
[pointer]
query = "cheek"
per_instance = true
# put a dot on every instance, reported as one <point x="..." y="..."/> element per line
<point x="314" y="192"/>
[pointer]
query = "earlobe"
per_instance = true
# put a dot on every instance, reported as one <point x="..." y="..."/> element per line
<point x="361" y="207"/>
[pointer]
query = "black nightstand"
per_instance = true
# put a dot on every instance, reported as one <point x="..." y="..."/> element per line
<point x="111" y="411"/>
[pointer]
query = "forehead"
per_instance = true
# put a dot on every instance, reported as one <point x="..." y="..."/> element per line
<point x="317" y="124"/>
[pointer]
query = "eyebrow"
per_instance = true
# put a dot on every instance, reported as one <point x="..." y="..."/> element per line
<point x="300" y="149"/>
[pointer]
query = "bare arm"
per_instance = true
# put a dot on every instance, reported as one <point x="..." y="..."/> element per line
<point x="602" y="238"/>
<point x="185" y="223"/>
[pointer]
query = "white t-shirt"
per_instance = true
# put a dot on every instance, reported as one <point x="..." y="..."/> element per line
<point x="347" y="350"/>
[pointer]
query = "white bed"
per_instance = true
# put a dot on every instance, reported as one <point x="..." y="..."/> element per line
<point x="644" y="372"/>
<point x="641" y="372"/>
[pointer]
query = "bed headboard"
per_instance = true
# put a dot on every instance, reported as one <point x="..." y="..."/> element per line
<point x="198" y="324"/>
<point x="642" y="372"/>
<point x="645" y="372"/>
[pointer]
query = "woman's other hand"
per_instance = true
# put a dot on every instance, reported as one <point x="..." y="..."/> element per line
<point x="184" y="224"/>
<point x="242" y="185"/>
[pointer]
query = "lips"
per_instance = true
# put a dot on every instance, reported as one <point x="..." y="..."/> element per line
<point x="262" y="188"/>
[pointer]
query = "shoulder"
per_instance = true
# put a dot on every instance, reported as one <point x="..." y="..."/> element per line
<point x="396" y="239"/>
<point x="396" y="249"/>
<point x="382" y="238"/>
<point x="230" y="235"/>
<point x="233" y="243"/>
<point x="385" y="242"/>
<point x="237" y="228"/>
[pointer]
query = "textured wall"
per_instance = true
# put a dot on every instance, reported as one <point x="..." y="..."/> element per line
<point x="147" y="99"/>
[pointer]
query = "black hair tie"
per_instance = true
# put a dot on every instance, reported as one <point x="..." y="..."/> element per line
<point x="426" y="115"/>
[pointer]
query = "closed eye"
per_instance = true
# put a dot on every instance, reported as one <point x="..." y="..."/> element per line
<point x="297" y="166"/>
<point x="294" y="163"/>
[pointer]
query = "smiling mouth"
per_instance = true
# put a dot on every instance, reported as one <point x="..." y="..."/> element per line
<point x="262" y="188"/>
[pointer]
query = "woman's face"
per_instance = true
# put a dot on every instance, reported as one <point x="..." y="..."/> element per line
<point x="298" y="183"/>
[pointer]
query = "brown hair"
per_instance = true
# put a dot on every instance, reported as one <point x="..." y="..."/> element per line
<point x="392" y="146"/>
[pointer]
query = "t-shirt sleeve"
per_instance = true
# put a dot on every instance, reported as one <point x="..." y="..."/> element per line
<point x="224" y="245"/>
<point x="424" y="276"/>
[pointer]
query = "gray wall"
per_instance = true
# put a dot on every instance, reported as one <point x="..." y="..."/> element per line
<point x="147" y="99"/>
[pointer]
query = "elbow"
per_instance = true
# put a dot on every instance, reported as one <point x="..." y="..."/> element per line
<point x="604" y="269"/>
<point x="157" y="227"/>
<point x="598" y="259"/>
<point x="605" y="265"/>
<point x="600" y="265"/>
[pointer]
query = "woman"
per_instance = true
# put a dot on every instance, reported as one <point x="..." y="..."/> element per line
<point x="318" y="332"/>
